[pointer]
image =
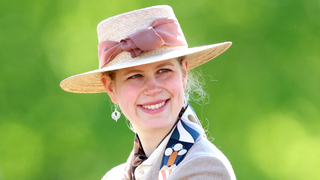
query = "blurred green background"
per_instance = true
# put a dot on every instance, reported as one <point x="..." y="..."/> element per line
<point x="263" y="112"/>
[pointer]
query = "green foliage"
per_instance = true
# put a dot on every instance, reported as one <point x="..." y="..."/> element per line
<point x="264" y="109"/>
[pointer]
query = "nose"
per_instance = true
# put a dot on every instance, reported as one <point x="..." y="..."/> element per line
<point x="152" y="87"/>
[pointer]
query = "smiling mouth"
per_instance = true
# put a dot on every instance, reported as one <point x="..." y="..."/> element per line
<point x="154" y="106"/>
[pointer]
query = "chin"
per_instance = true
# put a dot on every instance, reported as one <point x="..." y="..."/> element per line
<point x="161" y="124"/>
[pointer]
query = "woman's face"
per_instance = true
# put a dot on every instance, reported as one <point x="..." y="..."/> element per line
<point x="151" y="95"/>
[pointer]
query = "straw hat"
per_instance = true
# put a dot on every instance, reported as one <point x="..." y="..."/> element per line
<point x="139" y="37"/>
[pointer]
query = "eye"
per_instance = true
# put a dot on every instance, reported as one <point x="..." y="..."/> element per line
<point x="163" y="70"/>
<point x="135" y="76"/>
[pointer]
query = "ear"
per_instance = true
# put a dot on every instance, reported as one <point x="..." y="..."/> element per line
<point x="184" y="70"/>
<point x="108" y="84"/>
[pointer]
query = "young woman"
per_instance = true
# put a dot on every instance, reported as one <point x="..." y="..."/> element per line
<point x="144" y="62"/>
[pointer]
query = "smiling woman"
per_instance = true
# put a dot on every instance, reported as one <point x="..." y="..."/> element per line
<point x="144" y="61"/>
<point x="150" y="96"/>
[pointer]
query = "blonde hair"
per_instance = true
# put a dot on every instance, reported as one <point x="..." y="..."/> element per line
<point x="195" y="83"/>
<point x="194" y="90"/>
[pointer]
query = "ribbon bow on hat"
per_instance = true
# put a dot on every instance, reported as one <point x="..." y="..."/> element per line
<point x="163" y="31"/>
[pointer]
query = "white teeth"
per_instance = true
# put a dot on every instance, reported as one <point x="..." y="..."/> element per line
<point x="154" y="106"/>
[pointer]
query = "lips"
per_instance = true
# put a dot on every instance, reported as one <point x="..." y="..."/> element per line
<point x="154" y="106"/>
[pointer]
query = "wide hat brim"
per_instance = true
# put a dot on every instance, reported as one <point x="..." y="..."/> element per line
<point x="90" y="82"/>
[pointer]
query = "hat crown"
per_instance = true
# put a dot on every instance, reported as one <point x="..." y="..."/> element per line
<point x="119" y="27"/>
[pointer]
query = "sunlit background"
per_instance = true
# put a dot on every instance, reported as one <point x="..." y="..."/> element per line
<point x="264" y="91"/>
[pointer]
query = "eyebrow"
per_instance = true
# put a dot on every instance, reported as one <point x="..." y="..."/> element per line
<point x="164" y="64"/>
<point x="131" y="72"/>
<point x="157" y="67"/>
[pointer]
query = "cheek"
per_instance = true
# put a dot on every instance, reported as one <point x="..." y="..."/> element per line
<point x="175" y="86"/>
<point x="126" y="94"/>
<point x="127" y="98"/>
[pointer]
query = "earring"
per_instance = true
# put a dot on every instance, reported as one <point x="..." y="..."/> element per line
<point x="116" y="114"/>
<point x="185" y="103"/>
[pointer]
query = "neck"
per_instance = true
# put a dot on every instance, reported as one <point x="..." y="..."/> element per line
<point x="150" y="140"/>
